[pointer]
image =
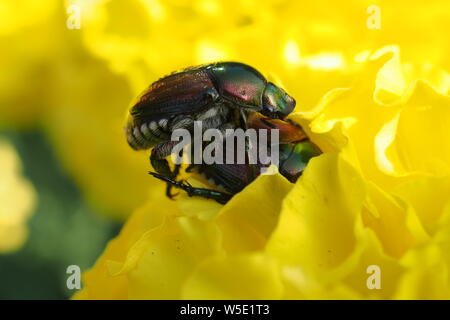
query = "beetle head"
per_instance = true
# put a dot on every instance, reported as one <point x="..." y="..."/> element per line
<point x="276" y="102"/>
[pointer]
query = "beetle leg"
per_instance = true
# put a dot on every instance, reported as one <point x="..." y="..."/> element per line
<point x="158" y="155"/>
<point x="161" y="165"/>
<point x="220" y="197"/>
<point x="169" y="186"/>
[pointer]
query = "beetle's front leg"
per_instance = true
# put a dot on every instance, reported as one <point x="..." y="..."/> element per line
<point x="220" y="197"/>
<point x="158" y="157"/>
<point x="161" y="165"/>
<point x="169" y="186"/>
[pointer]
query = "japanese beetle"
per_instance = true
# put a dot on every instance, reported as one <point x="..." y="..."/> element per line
<point x="295" y="151"/>
<point x="221" y="95"/>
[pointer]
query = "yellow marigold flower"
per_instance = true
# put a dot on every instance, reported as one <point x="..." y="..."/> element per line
<point x="375" y="202"/>
<point x="17" y="198"/>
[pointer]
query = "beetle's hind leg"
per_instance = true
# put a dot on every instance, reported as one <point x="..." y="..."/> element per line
<point x="220" y="197"/>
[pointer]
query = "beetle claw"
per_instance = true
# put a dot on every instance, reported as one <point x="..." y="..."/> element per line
<point x="169" y="194"/>
<point x="185" y="182"/>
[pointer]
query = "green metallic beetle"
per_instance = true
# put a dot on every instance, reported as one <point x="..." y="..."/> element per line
<point x="221" y="95"/>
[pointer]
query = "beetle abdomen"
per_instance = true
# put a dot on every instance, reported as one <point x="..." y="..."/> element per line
<point x="147" y="134"/>
<point x="144" y="135"/>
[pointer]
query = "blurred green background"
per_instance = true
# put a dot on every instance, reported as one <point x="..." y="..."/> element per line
<point x="63" y="230"/>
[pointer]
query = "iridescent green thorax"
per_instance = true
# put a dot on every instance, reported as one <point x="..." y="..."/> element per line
<point x="239" y="83"/>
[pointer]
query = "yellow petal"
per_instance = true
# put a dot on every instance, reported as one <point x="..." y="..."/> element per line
<point x="363" y="109"/>
<point x="352" y="278"/>
<point x="197" y="206"/>
<point x="168" y="254"/>
<point x="372" y="261"/>
<point x="316" y="227"/>
<point x="427" y="277"/>
<point x="394" y="222"/>
<point x="98" y="282"/>
<point x="422" y="141"/>
<point x="252" y="276"/>
<point x="429" y="196"/>
<point x="248" y="220"/>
